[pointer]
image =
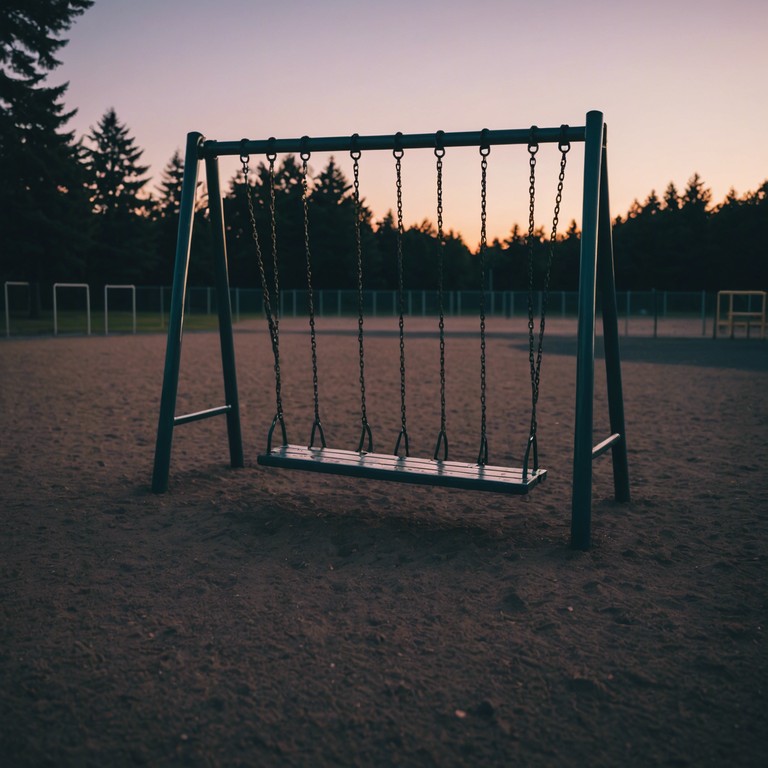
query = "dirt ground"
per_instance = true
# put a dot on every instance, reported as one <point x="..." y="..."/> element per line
<point x="260" y="617"/>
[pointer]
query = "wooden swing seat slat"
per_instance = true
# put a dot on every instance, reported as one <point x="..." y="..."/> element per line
<point x="381" y="466"/>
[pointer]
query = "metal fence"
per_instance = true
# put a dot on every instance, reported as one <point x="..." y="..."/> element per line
<point x="641" y="313"/>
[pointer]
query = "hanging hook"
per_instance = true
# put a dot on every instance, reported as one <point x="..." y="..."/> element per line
<point x="271" y="153"/>
<point x="482" y="456"/>
<point x="365" y="434"/>
<point x="305" y="154"/>
<point x="439" y="145"/>
<point x="533" y="144"/>
<point x="442" y="440"/>
<point x="354" y="150"/>
<point x="317" y="428"/>
<point x="279" y="419"/>
<point x="485" y="147"/>
<point x="402" y="437"/>
<point x="564" y="144"/>
<point x="398" y="150"/>
<point x="244" y="156"/>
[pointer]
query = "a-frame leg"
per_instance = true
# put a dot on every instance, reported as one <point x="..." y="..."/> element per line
<point x="176" y="317"/>
<point x="607" y="285"/>
<point x="168" y="419"/>
<point x="596" y="269"/>
<point x="224" y="305"/>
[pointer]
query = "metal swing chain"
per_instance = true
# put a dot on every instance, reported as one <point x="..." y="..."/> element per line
<point x="564" y="147"/>
<point x="271" y="157"/>
<point x="442" y="438"/>
<point x="482" y="458"/>
<point x="272" y="322"/>
<point x="403" y="436"/>
<point x="365" y="433"/>
<point x="317" y="427"/>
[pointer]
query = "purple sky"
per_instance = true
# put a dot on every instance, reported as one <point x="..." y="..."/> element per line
<point x="682" y="84"/>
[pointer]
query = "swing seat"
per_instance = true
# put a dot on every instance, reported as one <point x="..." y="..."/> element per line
<point x="382" y="466"/>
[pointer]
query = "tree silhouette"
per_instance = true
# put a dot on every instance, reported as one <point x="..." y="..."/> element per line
<point x="165" y="214"/>
<point x="43" y="211"/>
<point x="123" y="248"/>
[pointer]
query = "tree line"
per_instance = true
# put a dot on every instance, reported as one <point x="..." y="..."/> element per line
<point x="83" y="210"/>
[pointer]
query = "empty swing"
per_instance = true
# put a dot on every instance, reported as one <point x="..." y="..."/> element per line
<point x="364" y="462"/>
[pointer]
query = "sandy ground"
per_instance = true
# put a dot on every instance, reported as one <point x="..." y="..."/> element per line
<point x="260" y="617"/>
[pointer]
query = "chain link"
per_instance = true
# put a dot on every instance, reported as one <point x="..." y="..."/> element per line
<point x="403" y="436"/>
<point x="442" y="438"/>
<point x="271" y="157"/>
<point x="482" y="457"/>
<point x="317" y="427"/>
<point x="271" y="319"/>
<point x="535" y="360"/>
<point x="365" y="434"/>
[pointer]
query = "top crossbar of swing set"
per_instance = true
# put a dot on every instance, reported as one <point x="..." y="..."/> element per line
<point x="210" y="148"/>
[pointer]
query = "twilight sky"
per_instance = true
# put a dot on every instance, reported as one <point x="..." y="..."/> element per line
<point x="682" y="84"/>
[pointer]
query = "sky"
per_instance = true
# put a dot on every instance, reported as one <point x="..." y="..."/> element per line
<point x="682" y="85"/>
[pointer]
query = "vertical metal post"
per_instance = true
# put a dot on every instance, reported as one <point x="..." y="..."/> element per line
<point x="176" y="319"/>
<point x="607" y="284"/>
<point x="224" y="307"/>
<point x="581" y="503"/>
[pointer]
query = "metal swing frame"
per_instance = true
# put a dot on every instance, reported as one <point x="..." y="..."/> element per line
<point x="596" y="272"/>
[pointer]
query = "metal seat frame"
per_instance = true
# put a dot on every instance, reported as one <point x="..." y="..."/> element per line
<point x="401" y="469"/>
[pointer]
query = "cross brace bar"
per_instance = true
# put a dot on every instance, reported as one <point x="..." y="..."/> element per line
<point x="198" y="415"/>
<point x="602" y="447"/>
<point x="391" y="142"/>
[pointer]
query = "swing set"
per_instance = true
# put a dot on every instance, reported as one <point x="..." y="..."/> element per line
<point x="596" y="270"/>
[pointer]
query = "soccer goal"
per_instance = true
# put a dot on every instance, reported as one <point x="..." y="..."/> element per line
<point x="107" y="289"/>
<point x="81" y="286"/>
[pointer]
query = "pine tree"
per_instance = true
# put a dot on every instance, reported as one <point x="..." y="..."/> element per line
<point x="123" y="248"/>
<point x="166" y="218"/>
<point x="43" y="212"/>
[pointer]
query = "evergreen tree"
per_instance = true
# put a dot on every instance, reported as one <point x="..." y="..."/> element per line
<point x="123" y="248"/>
<point x="333" y="243"/>
<point x="696" y="262"/>
<point x="169" y="202"/>
<point x="43" y="224"/>
<point x="166" y="217"/>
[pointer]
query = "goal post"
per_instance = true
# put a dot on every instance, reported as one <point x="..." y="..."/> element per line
<point x="12" y="284"/>
<point x="83" y="286"/>
<point x="107" y="289"/>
